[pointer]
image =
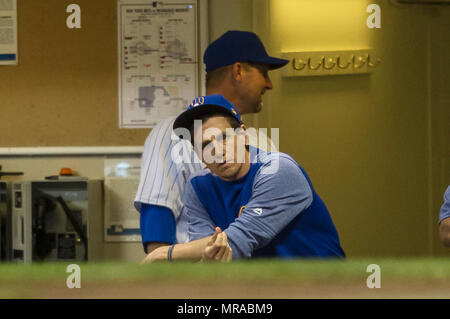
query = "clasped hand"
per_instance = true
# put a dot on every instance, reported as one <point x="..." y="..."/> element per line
<point x="218" y="248"/>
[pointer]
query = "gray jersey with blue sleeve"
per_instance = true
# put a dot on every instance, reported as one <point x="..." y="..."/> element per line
<point x="279" y="193"/>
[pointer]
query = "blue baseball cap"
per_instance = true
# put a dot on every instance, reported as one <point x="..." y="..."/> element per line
<point x="208" y="104"/>
<point x="238" y="46"/>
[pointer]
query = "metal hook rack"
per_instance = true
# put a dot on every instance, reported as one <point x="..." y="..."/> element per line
<point x="330" y="63"/>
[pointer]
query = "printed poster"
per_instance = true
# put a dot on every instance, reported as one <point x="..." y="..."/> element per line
<point x="158" y="60"/>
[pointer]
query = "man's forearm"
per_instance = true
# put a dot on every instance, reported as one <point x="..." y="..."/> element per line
<point x="152" y="246"/>
<point x="192" y="251"/>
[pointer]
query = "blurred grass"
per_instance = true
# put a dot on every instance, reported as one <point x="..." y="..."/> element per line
<point x="254" y="271"/>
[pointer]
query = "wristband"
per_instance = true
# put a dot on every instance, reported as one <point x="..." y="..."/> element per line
<point x="169" y="252"/>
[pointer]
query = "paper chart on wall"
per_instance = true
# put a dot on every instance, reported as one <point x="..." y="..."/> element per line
<point x="158" y="60"/>
<point x="8" y="32"/>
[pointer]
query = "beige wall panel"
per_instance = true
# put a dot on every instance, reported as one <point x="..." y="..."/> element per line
<point x="365" y="139"/>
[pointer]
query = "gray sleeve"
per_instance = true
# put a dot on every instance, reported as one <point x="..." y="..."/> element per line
<point x="445" y="209"/>
<point x="278" y="197"/>
<point x="200" y="223"/>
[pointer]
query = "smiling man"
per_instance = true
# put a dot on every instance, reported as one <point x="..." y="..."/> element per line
<point x="264" y="212"/>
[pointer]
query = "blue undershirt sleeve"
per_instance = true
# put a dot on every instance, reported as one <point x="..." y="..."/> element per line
<point x="157" y="225"/>
<point x="278" y="196"/>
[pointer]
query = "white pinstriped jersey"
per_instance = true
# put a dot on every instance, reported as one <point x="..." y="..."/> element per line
<point x="163" y="180"/>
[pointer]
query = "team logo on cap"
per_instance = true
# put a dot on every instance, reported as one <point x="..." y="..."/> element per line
<point x="234" y="112"/>
<point x="198" y="101"/>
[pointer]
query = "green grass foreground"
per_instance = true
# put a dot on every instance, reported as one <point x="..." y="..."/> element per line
<point x="402" y="269"/>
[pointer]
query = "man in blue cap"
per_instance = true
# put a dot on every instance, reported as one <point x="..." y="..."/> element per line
<point x="241" y="77"/>
<point x="264" y="202"/>
<point x="237" y="67"/>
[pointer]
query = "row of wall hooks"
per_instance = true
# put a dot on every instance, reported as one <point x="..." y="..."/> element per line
<point x="330" y="63"/>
